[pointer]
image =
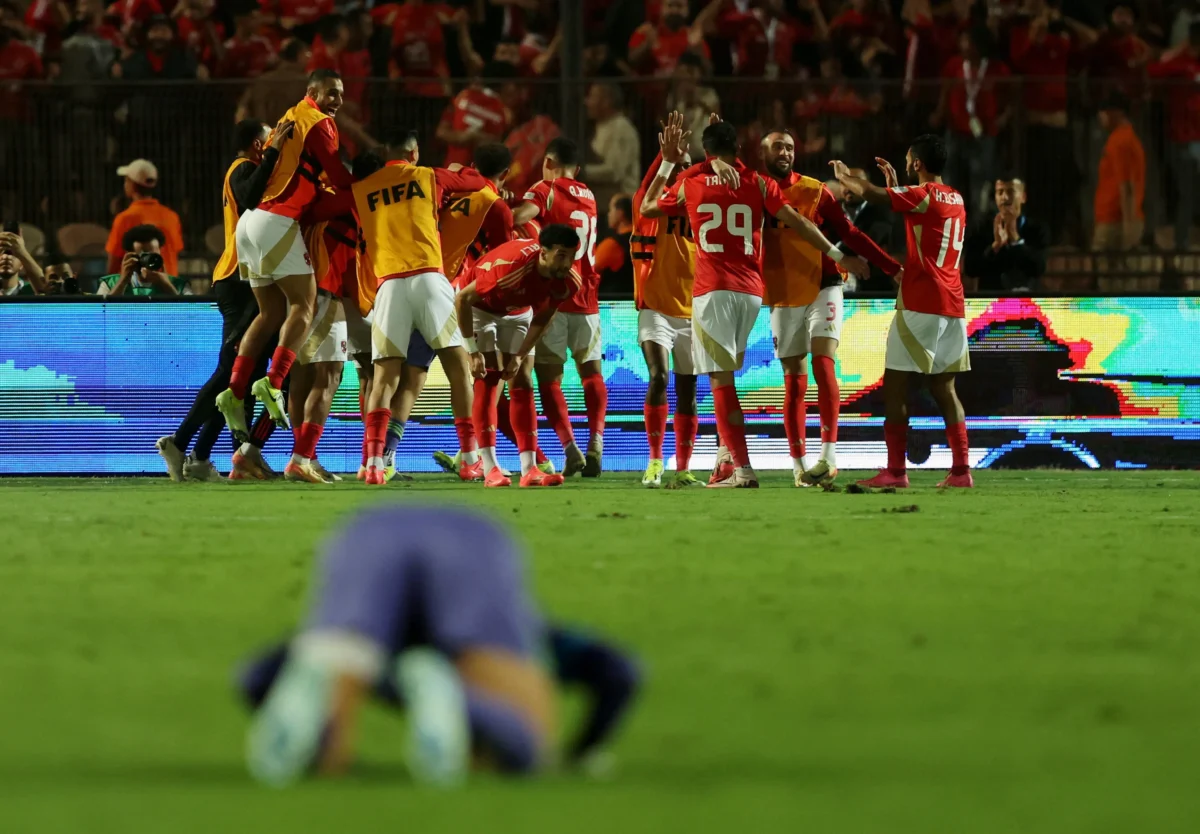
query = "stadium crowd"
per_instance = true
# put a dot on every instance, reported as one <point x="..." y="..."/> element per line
<point x="1088" y="106"/>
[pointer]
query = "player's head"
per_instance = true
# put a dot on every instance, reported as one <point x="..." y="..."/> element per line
<point x="926" y="158"/>
<point x="404" y="145"/>
<point x="778" y="152"/>
<point x="365" y="164"/>
<point x="326" y="90"/>
<point x="492" y="160"/>
<point x="974" y="44"/>
<point x="675" y="14"/>
<point x="1113" y="112"/>
<point x="559" y="243"/>
<point x="620" y="210"/>
<point x="1122" y="16"/>
<point x="295" y="53"/>
<point x="250" y="137"/>
<point x="720" y="140"/>
<point x="335" y="31"/>
<point x="562" y="159"/>
<point x="1010" y="192"/>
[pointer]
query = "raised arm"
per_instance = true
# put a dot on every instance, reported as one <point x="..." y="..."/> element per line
<point x="813" y="236"/>
<point x="865" y="188"/>
<point x="672" y="143"/>
<point x="833" y="217"/>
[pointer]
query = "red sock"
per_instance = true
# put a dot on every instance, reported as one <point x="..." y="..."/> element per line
<point x="524" y="418"/>
<point x="307" y="439"/>
<point x="239" y="380"/>
<point x="685" y="440"/>
<point x="595" y="398"/>
<point x="375" y="436"/>
<point x="466" y="434"/>
<point x="296" y="438"/>
<point x="829" y="396"/>
<point x="484" y="409"/>
<point x="896" y="437"/>
<point x="281" y="366"/>
<point x="956" y="438"/>
<point x="655" y="417"/>
<point x="794" y="388"/>
<point x="503" y="421"/>
<point x="729" y="418"/>
<point x="555" y="406"/>
<point x="541" y="456"/>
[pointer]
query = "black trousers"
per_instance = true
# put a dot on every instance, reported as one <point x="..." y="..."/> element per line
<point x="1053" y="179"/>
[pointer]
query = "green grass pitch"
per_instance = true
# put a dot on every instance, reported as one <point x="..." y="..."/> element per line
<point x="1019" y="658"/>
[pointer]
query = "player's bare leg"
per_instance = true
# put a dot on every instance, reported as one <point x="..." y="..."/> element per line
<point x="733" y="430"/>
<point x="654" y="412"/>
<point x="686" y="423"/>
<point x="829" y="397"/>
<point x="456" y="363"/>
<point x="595" y="398"/>
<point x="895" y="431"/>
<point x="384" y="382"/>
<point x="322" y="382"/>
<point x="941" y="386"/>
<point x="412" y="383"/>
<point x="795" y="388"/>
<point x="524" y="422"/>
<point x="549" y="381"/>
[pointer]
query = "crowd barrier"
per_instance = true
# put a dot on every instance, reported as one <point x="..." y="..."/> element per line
<point x="87" y="387"/>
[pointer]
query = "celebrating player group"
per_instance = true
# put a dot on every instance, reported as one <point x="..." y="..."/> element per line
<point x="393" y="264"/>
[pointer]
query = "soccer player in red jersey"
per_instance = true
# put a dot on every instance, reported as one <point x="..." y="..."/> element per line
<point x="727" y="222"/>
<point x="513" y="294"/>
<point x="929" y="332"/>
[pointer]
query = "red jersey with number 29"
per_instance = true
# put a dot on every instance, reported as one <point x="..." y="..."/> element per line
<point x="726" y="224"/>
<point x="935" y="221"/>
<point x="571" y="202"/>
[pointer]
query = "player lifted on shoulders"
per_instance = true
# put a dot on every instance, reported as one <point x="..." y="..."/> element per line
<point x="727" y="221"/>
<point x="929" y="332"/>
<point x="804" y="292"/>
<point x="561" y="198"/>
<point x="512" y="295"/>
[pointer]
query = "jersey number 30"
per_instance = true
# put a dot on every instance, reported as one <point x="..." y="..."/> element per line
<point x="737" y="221"/>
<point x="952" y="235"/>
<point x="587" y="235"/>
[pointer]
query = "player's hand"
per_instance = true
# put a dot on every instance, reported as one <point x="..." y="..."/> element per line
<point x="889" y="173"/>
<point x="672" y="138"/>
<point x="282" y="132"/>
<point x="726" y="173"/>
<point x="650" y="32"/>
<point x="478" y="370"/>
<point x="855" y="265"/>
<point x="714" y="118"/>
<point x="898" y="277"/>
<point x="129" y="264"/>
<point x="840" y="169"/>
<point x="511" y="366"/>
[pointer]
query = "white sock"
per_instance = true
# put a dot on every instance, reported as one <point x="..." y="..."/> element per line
<point x="377" y="462"/>
<point x="528" y="461"/>
<point x="746" y="472"/>
<point x="800" y="465"/>
<point x="299" y="459"/>
<point x="245" y="449"/>
<point x="829" y="453"/>
<point x="470" y="458"/>
<point x="488" y="453"/>
<point x="723" y="455"/>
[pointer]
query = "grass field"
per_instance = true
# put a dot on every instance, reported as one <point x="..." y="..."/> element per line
<point x="1020" y="658"/>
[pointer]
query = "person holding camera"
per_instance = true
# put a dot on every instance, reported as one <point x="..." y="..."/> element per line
<point x="60" y="277"/>
<point x="16" y="261"/>
<point x="142" y="267"/>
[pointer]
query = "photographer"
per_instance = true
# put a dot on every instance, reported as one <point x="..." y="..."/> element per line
<point x="60" y="277"/>
<point x="142" y="267"/>
<point x="15" y="260"/>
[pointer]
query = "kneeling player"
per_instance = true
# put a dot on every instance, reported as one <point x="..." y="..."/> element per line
<point x="498" y="322"/>
<point x="432" y="599"/>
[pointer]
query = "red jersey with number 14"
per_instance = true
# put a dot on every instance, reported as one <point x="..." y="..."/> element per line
<point x="726" y="225"/>
<point x="935" y="221"/>
<point x="571" y="202"/>
<point x="508" y="281"/>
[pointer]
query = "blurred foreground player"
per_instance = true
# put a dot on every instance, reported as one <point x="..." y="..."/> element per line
<point x="928" y="335"/>
<point x="427" y="607"/>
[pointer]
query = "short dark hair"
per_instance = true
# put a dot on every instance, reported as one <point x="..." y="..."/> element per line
<point x="246" y="133"/>
<point x="624" y="204"/>
<point x="330" y="24"/>
<point x="690" y="59"/>
<point x="158" y="20"/>
<point x="365" y="164"/>
<point x="931" y="150"/>
<point x="500" y="70"/>
<point x="292" y="50"/>
<point x="720" y="139"/>
<point x="559" y="234"/>
<point x="1008" y="176"/>
<point x="319" y="75"/>
<point x="565" y="151"/>
<point x="492" y="159"/>
<point x="143" y="234"/>
<point x="404" y="140"/>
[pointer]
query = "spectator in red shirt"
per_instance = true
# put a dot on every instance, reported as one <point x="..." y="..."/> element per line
<point x="654" y="49"/>
<point x="290" y="14"/>
<point x="1119" y="56"/>
<point x="478" y="115"/>
<point x="764" y="36"/>
<point x="930" y="42"/>
<point x="971" y="111"/>
<point x="199" y="31"/>
<point x="860" y="19"/>
<point x="134" y="13"/>
<point x="528" y="143"/>
<point x="1178" y="70"/>
<point x="18" y="134"/>
<point x="246" y="54"/>
<point x="47" y="20"/>
<point x="419" y="47"/>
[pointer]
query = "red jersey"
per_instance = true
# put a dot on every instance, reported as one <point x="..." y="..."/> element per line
<point x="571" y="202"/>
<point x="18" y="62"/>
<point x="528" y="144"/>
<point x="1182" y="74"/>
<point x="726" y="224"/>
<point x="935" y="220"/>
<point x="320" y="155"/>
<point x="667" y="48"/>
<point x="304" y="11"/>
<point x="973" y="82"/>
<point x="193" y="34"/>
<point x="419" y="47"/>
<point x="245" y="58"/>
<point x="479" y="109"/>
<point x="1045" y="63"/>
<point x="341" y="242"/>
<point x="762" y="42"/>
<point x="508" y="280"/>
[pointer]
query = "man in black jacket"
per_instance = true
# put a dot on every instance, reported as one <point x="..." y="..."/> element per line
<point x="879" y="225"/>
<point x="1007" y="253"/>
<point x="244" y="185"/>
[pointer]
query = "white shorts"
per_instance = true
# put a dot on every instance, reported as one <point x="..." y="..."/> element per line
<point x="503" y="334"/>
<point x="270" y="247"/>
<point x="579" y="332"/>
<point x="422" y="302"/>
<point x="672" y="333"/>
<point x="358" y="329"/>
<point x="326" y="337"/>
<point x="794" y="328"/>
<point x="721" y="325"/>
<point x="924" y="343"/>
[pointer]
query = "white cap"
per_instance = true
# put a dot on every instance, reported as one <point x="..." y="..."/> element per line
<point x="141" y="171"/>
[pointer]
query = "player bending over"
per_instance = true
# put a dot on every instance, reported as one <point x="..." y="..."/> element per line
<point x="514" y="293"/>
<point x="727" y="221"/>
<point x="427" y="606"/>
<point x="928" y="335"/>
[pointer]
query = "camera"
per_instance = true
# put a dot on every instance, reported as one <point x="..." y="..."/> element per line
<point x="151" y="261"/>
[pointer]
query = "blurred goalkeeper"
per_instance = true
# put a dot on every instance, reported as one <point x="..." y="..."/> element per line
<point x="426" y="609"/>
